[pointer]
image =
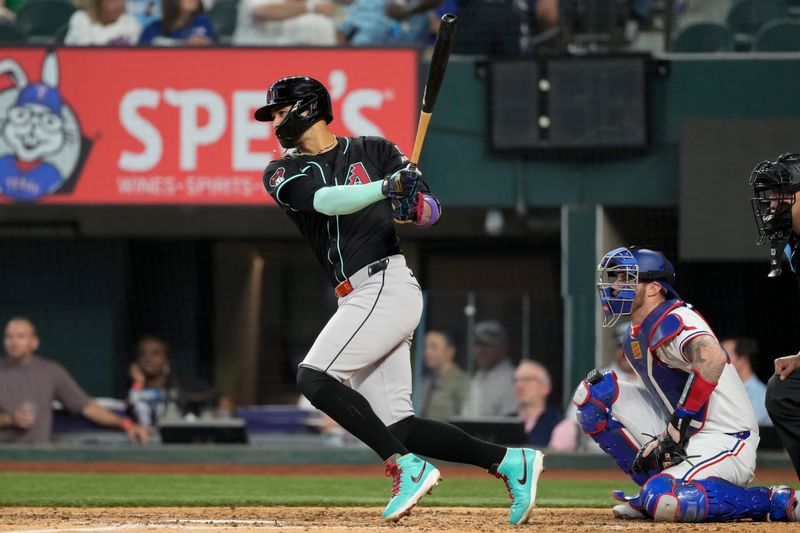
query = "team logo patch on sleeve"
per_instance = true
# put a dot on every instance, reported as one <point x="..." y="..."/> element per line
<point x="277" y="178"/>
<point x="357" y="175"/>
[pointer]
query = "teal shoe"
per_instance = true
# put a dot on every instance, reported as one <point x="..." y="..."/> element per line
<point x="520" y="471"/>
<point x="412" y="479"/>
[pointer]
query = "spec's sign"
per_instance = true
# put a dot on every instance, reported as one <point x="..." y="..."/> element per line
<point x="156" y="126"/>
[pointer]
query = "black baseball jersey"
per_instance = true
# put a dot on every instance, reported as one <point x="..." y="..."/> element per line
<point x="342" y="243"/>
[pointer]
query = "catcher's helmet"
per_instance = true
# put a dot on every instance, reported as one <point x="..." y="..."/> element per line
<point x="619" y="273"/>
<point x="304" y="95"/>
<point x="774" y="186"/>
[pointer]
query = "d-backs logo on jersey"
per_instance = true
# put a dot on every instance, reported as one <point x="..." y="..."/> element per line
<point x="357" y="175"/>
<point x="277" y="177"/>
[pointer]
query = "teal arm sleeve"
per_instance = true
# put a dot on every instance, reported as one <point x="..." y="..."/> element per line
<point x="346" y="199"/>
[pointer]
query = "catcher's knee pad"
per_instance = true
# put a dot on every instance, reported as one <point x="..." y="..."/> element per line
<point x="594" y="399"/>
<point x="310" y="381"/>
<point x="707" y="500"/>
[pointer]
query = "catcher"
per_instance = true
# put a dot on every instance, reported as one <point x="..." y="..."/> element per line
<point x="689" y="437"/>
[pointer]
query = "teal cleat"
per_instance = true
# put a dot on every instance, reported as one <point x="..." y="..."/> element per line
<point x="520" y="471"/>
<point x="412" y="478"/>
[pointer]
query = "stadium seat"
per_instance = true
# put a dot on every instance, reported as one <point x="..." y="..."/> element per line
<point x="41" y="19"/>
<point x="11" y="33"/>
<point x="223" y="16"/>
<point x="778" y="36"/>
<point x="747" y="16"/>
<point x="703" y="37"/>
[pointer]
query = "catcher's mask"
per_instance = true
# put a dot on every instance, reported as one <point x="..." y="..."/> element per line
<point x="774" y="186"/>
<point x="310" y="103"/>
<point x="619" y="273"/>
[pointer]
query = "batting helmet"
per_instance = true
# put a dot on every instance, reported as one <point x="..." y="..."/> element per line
<point x="305" y="95"/>
<point x="774" y="186"/>
<point x="619" y="273"/>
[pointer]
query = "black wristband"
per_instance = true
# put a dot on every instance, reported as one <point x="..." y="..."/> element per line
<point x="682" y="424"/>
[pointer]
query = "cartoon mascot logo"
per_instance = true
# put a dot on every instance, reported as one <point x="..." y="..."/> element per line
<point x="41" y="147"/>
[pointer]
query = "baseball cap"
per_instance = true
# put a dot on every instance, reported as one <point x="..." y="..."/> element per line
<point x="490" y="332"/>
<point x="39" y="93"/>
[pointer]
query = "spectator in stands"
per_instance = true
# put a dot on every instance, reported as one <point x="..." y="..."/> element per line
<point x="286" y="23"/>
<point x="103" y="23"/>
<point x="396" y="22"/>
<point x="29" y="384"/>
<point x="490" y="392"/>
<point x="183" y="23"/>
<point x="156" y="389"/>
<point x="532" y="386"/>
<point x="445" y="387"/>
<point x="741" y="351"/>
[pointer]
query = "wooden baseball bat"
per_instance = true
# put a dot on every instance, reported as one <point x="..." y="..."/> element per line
<point x="441" y="54"/>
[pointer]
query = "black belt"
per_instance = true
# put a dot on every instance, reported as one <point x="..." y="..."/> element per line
<point x="345" y="287"/>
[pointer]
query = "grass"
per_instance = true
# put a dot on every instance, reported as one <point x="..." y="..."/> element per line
<point x="129" y="490"/>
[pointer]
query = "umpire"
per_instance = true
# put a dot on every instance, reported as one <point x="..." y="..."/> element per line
<point x="776" y="187"/>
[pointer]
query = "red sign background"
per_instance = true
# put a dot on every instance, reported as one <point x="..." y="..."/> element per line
<point x="176" y="126"/>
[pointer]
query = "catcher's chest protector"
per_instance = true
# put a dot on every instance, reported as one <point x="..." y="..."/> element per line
<point x="665" y="383"/>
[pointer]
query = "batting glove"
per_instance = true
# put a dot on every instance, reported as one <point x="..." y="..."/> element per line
<point x="402" y="183"/>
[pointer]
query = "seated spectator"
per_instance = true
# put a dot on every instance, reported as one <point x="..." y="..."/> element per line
<point x="29" y="384"/>
<point x="285" y="23"/>
<point x="445" y="387"/>
<point x="380" y="23"/>
<point x="741" y="351"/>
<point x="490" y="391"/>
<point x="532" y="386"/>
<point x="183" y="23"/>
<point x="103" y="23"/>
<point x="156" y="390"/>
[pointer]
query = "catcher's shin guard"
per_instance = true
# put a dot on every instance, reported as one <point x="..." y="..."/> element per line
<point x="594" y="399"/>
<point x="668" y="499"/>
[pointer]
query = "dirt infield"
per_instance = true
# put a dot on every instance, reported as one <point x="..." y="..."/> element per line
<point x="338" y="520"/>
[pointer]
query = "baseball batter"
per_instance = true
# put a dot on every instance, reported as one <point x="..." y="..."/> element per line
<point x="345" y="196"/>
<point x="689" y="436"/>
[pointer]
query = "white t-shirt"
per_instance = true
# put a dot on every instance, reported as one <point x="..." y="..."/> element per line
<point x="729" y="409"/>
<point x="83" y="31"/>
<point x="308" y="29"/>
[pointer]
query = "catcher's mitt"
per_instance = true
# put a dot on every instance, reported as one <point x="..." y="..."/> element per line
<point x="665" y="454"/>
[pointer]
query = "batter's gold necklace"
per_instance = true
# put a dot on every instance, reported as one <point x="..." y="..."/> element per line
<point x="324" y="148"/>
